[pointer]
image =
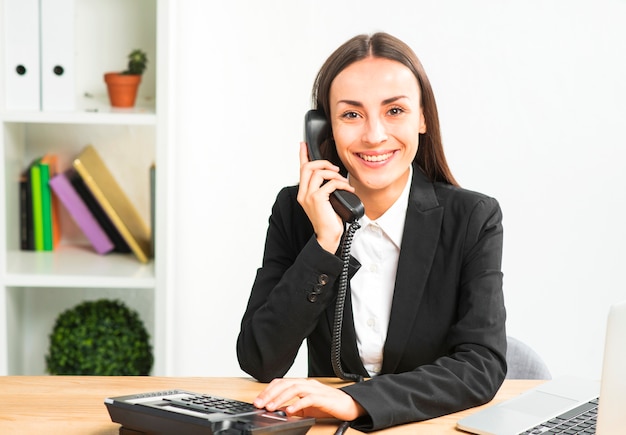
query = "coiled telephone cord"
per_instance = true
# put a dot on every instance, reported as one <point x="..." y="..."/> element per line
<point x="346" y="245"/>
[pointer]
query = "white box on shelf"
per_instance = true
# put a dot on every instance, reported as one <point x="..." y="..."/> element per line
<point x="57" y="55"/>
<point x="21" y="63"/>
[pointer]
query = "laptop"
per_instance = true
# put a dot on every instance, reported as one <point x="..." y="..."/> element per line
<point x="545" y="408"/>
<point x="187" y="413"/>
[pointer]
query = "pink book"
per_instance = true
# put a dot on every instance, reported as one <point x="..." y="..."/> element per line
<point x="79" y="212"/>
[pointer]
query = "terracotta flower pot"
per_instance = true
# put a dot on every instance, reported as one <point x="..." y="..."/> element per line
<point x="122" y="88"/>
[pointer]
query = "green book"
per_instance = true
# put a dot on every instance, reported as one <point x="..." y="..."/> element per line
<point x="35" y="179"/>
<point x="46" y="206"/>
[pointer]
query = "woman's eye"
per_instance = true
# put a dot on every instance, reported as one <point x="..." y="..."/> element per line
<point x="395" y="111"/>
<point x="350" y="115"/>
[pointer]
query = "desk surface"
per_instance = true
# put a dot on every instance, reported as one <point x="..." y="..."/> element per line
<point x="75" y="404"/>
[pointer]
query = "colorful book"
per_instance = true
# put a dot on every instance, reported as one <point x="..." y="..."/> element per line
<point x="79" y="212"/>
<point x="46" y="205"/>
<point x="35" y="184"/>
<point x="50" y="204"/>
<point x="27" y="242"/>
<point x="152" y="207"/>
<point x="114" y="201"/>
<point x="98" y="213"/>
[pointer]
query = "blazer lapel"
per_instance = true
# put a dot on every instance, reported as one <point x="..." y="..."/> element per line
<point x="419" y="242"/>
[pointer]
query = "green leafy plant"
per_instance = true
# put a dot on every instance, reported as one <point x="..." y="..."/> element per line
<point x="137" y="62"/>
<point x="103" y="338"/>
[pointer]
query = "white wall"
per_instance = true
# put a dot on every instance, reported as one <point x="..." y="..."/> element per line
<point x="532" y="99"/>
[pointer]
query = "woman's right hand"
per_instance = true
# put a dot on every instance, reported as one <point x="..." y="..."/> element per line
<point x="314" y="197"/>
<point x="308" y="398"/>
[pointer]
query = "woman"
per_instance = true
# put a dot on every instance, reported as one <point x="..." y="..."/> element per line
<point x="424" y="317"/>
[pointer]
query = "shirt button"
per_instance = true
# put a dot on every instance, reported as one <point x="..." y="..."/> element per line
<point x="371" y="322"/>
<point x="374" y="268"/>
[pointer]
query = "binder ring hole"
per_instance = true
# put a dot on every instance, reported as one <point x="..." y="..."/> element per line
<point x="20" y="69"/>
<point x="58" y="70"/>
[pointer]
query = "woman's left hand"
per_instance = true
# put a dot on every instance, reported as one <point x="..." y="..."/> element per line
<point x="308" y="398"/>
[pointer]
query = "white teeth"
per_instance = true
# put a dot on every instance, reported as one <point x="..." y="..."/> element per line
<point x="376" y="158"/>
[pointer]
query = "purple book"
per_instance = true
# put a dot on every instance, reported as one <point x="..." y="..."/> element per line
<point x="79" y="212"/>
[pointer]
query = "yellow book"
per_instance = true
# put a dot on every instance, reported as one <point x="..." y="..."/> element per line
<point x="114" y="202"/>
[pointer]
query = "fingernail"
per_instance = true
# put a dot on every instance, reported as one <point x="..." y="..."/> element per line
<point x="258" y="403"/>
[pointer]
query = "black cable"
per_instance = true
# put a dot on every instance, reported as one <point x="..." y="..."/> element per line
<point x="342" y="427"/>
<point x="346" y="245"/>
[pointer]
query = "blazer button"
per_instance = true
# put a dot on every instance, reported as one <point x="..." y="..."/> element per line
<point x="323" y="279"/>
<point x="312" y="297"/>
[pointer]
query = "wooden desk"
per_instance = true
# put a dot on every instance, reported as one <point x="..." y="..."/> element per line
<point x="75" y="404"/>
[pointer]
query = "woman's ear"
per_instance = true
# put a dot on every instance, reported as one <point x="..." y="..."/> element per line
<point x="422" y="128"/>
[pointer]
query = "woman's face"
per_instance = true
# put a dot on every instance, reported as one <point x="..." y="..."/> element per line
<point x="376" y="117"/>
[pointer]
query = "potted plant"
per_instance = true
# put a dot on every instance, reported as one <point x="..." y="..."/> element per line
<point x="122" y="86"/>
<point x="102" y="338"/>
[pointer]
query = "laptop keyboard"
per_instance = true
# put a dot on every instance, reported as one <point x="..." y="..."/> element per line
<point x="580" y="420"/>
<point x="206" y="403"/>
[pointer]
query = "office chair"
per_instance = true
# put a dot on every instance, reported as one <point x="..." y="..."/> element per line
<point x="523" y="362"/>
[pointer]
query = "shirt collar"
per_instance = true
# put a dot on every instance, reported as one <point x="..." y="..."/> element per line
<point x="392" y="221"/>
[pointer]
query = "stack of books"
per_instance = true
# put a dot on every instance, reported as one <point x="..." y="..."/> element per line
<point x="39" y="209"/>
<point x="93" y="199"/>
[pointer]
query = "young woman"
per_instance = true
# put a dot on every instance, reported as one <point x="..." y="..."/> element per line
<point x="424" y="318"/>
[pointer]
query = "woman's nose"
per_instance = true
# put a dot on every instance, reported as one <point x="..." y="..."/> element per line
<point x="375" y="132"/>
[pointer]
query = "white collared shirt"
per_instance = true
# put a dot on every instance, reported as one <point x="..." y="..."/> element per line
<point x="376" y="245"/>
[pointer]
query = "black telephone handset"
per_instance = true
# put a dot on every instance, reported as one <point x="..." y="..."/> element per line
<point x="346" y="204"/>
<point x="350" y="208"/>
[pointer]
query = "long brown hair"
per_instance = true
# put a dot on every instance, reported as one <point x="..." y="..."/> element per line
<point x="430" y="156"/>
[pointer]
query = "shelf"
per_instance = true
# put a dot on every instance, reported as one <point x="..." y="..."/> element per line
<point x="89" y="110"/>
<point x="77" y="266"/>
<point x="36" y="286"/>
<point x="110" y="116"/>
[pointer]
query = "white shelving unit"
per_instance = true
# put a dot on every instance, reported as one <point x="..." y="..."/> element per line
<point x="35" y="287"/>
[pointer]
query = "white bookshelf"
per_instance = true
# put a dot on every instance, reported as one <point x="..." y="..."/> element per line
<point x="35" y="287"/>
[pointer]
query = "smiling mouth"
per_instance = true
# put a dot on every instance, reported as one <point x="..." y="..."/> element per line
<point x="375" y="158"/>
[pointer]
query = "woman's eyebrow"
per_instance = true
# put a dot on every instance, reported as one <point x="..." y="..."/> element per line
<point x="384" y="102"/>
<point x="351" y="103"/>
<point x="393" y="99"/>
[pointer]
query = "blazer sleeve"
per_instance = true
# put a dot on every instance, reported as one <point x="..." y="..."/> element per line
<point x="291" y="291"/>
<point x="474" y="367"/>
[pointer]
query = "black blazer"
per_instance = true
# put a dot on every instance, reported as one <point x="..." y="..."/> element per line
<point x="446" y="341"/>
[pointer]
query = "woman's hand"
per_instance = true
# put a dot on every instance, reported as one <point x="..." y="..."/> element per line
<point x="308" y="398"/>
<point x="314" y="197"/>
